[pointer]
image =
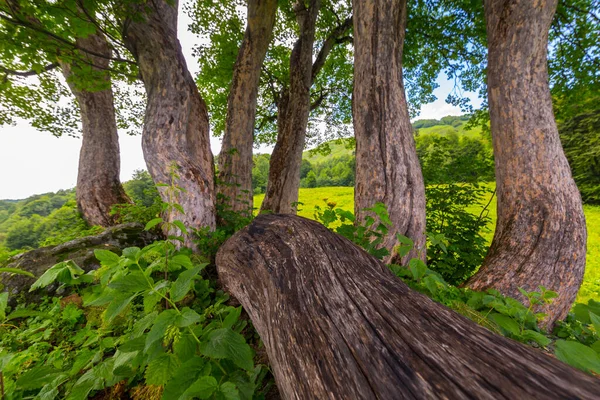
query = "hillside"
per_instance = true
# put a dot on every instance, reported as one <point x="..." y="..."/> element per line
<point x="446" y="126"/>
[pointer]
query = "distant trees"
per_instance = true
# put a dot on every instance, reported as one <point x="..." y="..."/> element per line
<point x="580" y="137"/>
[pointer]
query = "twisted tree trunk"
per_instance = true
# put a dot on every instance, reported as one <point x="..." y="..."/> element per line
<point x="540" y="236"/>
<point x="337" y="324"/>
<point x="387" y="167"/>
<point x="293" y="109"/>
<point x="98" y="184"/>
<point x="176" y="126"/>
<point x="235" y="160"/>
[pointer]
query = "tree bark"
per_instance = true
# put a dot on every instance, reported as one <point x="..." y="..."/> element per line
<point x="176" y="128"/>
<point x="387" y="167"/>
<point x="235" y="160"/>
<point x="540" y="236"/>
<point x="293" y="109"/>
<point x="98" y="183"/>
<point x="337" y="324"/>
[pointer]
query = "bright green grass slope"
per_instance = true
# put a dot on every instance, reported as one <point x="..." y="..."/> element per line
<point x="446" y="129"/>
<point x="344" y="198"/>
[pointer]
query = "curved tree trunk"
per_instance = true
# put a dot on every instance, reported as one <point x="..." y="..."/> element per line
<point x="176" y="126"/>
<point x="337" y="324"/>
<point x="235" y="160"/>
<point x="540" y="236"/>
<point x="293" y="110"/>
<point x="98" y="184"/>
<point x="387" y="167"/>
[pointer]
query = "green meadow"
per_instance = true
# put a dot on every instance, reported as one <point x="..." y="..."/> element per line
<point x="344" y="198"/>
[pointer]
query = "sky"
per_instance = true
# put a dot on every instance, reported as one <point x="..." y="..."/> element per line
<point x="34" y="162"/>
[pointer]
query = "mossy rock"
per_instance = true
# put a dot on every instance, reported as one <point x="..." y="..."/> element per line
<point x="80" y="250"/>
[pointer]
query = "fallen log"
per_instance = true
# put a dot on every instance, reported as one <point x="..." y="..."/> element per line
<point x="337" y="324"/>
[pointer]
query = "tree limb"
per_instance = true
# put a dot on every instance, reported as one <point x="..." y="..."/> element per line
<point x="47" y="68"/>
<point x="328" y="45"/>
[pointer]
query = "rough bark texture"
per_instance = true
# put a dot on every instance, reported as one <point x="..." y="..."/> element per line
<point x="387" y="167"/>
<point x="176" y="126"/>
<point x="540" y="236"/>
<point x="98" y="184"/>
<point x="235" y="159"/>
<point x="80" y="250"/>
<point x="337" y="324"/>
<point x="293" y="109"/>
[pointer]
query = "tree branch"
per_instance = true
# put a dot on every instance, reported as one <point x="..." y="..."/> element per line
<point x="328" y="45"/>
<point x="47" y="68"/>
<point x="25" y="24"/>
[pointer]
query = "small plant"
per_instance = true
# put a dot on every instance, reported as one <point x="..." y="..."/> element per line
<point x="145" y="321"/>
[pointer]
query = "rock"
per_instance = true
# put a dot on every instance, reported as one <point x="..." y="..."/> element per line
<point x="80" y="250"/>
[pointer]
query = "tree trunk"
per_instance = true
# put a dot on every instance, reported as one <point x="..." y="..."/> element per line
<point x="98" y="184"/>
<point x="387" y="167"/>
<point x="540" y="236"/>
<point x="235" y="159"/>
<point x="293" y="110"/>
<point x="176" y="126"/>
<point x="337" y="324"/>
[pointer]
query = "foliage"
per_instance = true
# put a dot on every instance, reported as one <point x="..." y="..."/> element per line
<point x="35" y="38"/>
<point x="450" y="157"/>
<point x="580" y="137"/>
<point x="146" y="318"/>
<point x="448" y="215"/>
<point x="147" y="204"/>
<point x="575" y="341"/>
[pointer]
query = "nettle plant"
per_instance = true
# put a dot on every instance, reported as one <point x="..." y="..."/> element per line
<point x="575" y="341"/>
<point x="145" y="323"/>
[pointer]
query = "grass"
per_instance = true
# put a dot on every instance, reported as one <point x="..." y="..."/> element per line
<point x="344" y="198"/>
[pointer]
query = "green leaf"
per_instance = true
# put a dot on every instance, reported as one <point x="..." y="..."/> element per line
<point x="232" y="317"/>
<point x="17" y="272"/>
<point x="187" y="318"/>
<point x="132" y="253"/>
<point x="49" y="276"/>
<point x="186" y="347"/>
<point x="506" y="323"/>
<point x="184" y="377"/>
<point x="152" y="223"/>
<point x="405" y="245"/>
<point x="578" y="355"/>
<point x="225" y="343"/>
<point x="3" y="304"/>
<point x="418" y="268"/>
<point x="203" y="388"/>
<point x="130" y="283"/>
<point x="228" y="391"/>
<point x="183" y="284"/>
<point x="162" y="322"/>
<point x="181" y="226"/>
<point x="36" y="377"/>
<point x="183" y="260"/>
<point x="161" y="369"/>
<point x="536" y="337"/>
<point x="117" y="306"/>
<point x="107" y="258"/>
<point x="596" y="322"/>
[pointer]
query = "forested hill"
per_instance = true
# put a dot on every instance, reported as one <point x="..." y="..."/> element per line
<point x="448" y="145"/>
